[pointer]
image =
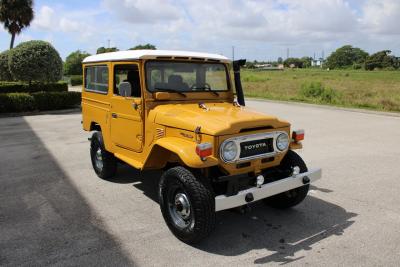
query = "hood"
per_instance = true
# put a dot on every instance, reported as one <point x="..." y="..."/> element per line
<point x="215" y="118"/>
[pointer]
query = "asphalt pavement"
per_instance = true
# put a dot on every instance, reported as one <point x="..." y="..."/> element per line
<point x="54" y="210"/>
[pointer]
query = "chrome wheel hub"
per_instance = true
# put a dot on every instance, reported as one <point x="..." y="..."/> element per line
<point x="99" y="159"/>
<point x="180" y="210"/>
<point x="182" y="206"/>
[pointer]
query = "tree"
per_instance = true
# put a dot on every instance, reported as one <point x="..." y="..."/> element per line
<point x="73" y="63"/>
<point x="102" y="50"/>
<point x="35" y="61"/>
<point x="381" y="60"/>
<point x="280" y="60"/>
<point x="346" y="56"/>
<point x="306" y="62"/>
<point x="291" y="61"/>
<point x="16" y="15"/>
<point x="5" y="74"/>
<point x="145" y="47"/>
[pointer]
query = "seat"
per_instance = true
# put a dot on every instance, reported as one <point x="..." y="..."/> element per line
<point x="134" y="79"/>
<point x="176" y="82"/>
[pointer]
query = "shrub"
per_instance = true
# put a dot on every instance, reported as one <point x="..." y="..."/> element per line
<point x="56" y="100"/>
<point x="73" y="63"/>
<point x="18" y="102"/>
<point x="35" y="61"/>
<point x="5" y="74"/>
<point x="18" y="87"/>
<point x="316" y="91"/>
<point x="76" y="80"/>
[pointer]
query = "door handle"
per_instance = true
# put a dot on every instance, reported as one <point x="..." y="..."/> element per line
<point x="135" y="106"/>
<point x="114" y="115"/>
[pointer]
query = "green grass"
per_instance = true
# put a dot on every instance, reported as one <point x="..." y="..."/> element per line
<point x="378" y="90"/>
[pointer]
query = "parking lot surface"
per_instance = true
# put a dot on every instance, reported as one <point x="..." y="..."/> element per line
<point x="55" y="211"/>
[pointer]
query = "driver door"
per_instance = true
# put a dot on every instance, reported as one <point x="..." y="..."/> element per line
<point x="126" y="111"/>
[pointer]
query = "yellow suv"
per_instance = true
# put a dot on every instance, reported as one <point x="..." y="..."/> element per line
<point x="177" y="111"/>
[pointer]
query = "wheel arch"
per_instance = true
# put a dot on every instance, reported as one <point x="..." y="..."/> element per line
<point x="94" y="126"/>
<point x="173" y="149"/>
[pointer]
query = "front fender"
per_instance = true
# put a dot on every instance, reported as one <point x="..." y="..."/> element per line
<point x="186" y="151"/>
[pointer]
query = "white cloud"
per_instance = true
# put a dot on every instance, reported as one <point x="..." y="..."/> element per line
<point x="44" y="19"/>
<point x="144" y="11"/>
<point x="255" y="27"/>
<point x="51" y="20"/>
<point x="67" y="25"/>
<point x="381" y="16"/>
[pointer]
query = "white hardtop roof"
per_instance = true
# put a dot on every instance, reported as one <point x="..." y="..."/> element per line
<point x="153" y="54"/>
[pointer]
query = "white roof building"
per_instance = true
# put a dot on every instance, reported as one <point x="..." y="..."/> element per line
<point x="154" y="54"/>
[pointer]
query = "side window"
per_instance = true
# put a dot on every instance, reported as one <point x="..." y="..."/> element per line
<point x="96" y="79"/>
<point x="127" y="73"/>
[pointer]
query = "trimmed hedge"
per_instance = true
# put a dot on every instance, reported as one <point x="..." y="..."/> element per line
<point x="5" y="74"/>
<point x="56" y="100"/>
<point x="76" y="80"/>
<point x="18" y="102"/>
<point x="18" y="87"/>
<point x="35" y="61"/>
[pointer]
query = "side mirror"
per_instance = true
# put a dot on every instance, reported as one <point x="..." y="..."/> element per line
<point x="125" y="89"/>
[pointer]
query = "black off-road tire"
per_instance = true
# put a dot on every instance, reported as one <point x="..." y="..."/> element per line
<point x="202" y="204"/>
<point x="292" y="197"/>
<point x="109" y="166"/>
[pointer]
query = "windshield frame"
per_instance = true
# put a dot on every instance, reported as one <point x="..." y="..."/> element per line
<point x="228" y="80"/>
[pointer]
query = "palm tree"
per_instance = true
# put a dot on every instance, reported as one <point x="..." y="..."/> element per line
<point x="16" y="15"/>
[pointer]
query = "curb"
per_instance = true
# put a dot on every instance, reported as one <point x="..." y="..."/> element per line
<point x="35" y="113"/>
<point x="357" y="110"/>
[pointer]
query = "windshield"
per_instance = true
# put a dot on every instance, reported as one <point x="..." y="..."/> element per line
<point x="186" y="76"/>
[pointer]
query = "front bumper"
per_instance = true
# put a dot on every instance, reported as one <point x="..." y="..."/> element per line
<point x="223" y="202"/>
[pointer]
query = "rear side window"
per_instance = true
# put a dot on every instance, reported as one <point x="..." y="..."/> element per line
<point x="96" y="79"/>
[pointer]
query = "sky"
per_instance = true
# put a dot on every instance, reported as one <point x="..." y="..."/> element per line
<point x="257" y="29"/>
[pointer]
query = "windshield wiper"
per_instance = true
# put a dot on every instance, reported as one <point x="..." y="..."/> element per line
<point x="170" y="91"/>
<point x="213" y="92"/>
<point x="207" y="89"/>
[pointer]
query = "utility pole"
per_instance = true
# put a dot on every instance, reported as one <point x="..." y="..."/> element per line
<point x="233" y="53"/>
<point x="109" y="42"/>
<point x="287" y="53"/>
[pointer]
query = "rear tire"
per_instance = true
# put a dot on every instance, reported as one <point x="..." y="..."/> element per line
<point x="292" y="197"/>
<point x="187" y="205"/>
<point x="104" y="163"/>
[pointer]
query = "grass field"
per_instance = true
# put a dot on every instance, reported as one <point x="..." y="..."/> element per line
<point x="378" y="90"/>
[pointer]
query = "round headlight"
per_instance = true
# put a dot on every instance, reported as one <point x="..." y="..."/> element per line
<point x="229" y="151"/>
<point x="282" y="142"/>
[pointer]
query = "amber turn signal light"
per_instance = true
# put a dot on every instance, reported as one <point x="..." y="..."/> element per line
<point x="298" y="135"/>
<point x="204" y="150"/>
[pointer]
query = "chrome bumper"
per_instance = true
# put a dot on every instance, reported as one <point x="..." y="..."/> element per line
<point x="223" y="202"/>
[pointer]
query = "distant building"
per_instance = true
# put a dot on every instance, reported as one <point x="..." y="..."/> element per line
<point x="317" y="62"/>
<point x="268" y="66"/>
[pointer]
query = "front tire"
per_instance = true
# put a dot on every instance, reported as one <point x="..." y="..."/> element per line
<point x="187" y="205"/>
<point x="292" y="197"/>
<point x="104" y="163"/>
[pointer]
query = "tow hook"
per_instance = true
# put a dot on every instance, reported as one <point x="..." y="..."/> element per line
<point x="306" y="180"/>
<point x="249" y="197"/>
